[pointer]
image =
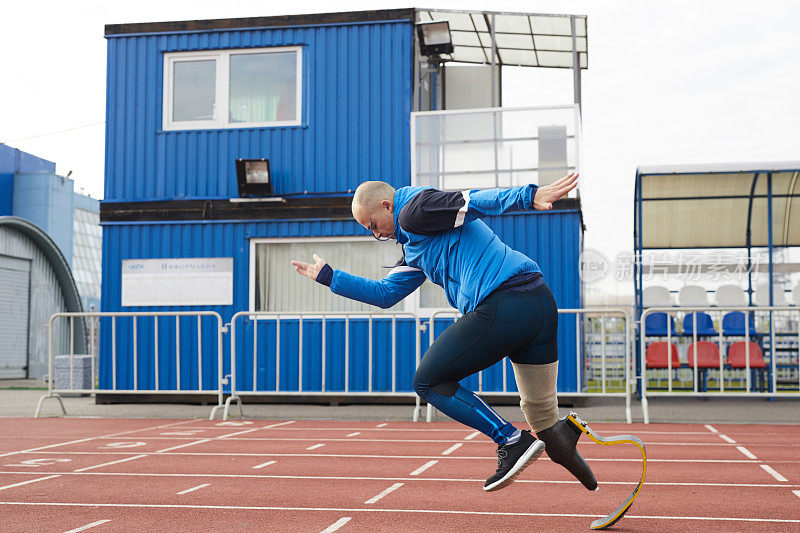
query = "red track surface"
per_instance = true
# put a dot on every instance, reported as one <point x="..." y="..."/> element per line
<point x="126" y="475"/>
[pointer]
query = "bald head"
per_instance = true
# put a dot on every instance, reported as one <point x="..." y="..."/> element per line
<point x="369" y="195"/>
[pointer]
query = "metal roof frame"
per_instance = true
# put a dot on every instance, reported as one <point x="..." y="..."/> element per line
<point x="752" y="172"/>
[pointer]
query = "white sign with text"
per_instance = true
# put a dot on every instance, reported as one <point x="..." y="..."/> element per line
<point x="195" y="281"/>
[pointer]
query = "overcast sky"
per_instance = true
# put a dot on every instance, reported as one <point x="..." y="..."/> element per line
<point x="669" y="82"/>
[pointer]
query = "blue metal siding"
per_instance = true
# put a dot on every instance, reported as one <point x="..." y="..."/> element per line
<point x="552" y="239"/>
<point x="356" y="106"/>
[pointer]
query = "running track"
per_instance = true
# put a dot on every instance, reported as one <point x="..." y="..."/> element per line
<point x="70" y="475"/>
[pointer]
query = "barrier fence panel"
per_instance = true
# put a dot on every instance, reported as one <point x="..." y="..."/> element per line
<point x="758" y="358"/>
<point x="170" y="352"/>
<point x="602" y="357"/>
<point x="323" y="354"/>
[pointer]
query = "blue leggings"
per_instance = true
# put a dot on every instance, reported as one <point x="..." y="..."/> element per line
<point x="520" y="324"/>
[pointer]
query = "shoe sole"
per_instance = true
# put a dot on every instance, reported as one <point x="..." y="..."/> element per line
<point x="531" y="454"/>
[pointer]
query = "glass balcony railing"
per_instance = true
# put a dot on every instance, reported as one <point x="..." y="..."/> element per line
<point x="497" y="147"/>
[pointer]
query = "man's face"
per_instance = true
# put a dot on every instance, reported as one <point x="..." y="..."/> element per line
<point x="378" y="221"/>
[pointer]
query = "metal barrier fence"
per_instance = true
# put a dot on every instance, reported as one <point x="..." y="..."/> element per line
<point x="344" y="335"/>
<point x="159" y="367"/>
<point x="772" y="343"/>
<point x="584" y="363"/>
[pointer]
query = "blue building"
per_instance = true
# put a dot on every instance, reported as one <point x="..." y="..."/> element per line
<point x="49" y="257"/>
<point x="330" y="100"/>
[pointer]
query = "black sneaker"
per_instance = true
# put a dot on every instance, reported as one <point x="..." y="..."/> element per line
<point x="512" y="460"/>
<point x="562" y="441"/>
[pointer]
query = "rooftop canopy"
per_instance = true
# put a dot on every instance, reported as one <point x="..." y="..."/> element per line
<point x="717" y="206"/>
<point x="522" y="39"/>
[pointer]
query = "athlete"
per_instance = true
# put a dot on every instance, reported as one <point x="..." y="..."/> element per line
<point x="507" y="310"/>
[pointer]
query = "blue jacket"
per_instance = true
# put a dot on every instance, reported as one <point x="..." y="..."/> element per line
<point x="444" y="240"/>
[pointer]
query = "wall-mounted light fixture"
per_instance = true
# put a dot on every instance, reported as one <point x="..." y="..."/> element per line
<point x="254" y="178"/>
<point x="434" y="38"/>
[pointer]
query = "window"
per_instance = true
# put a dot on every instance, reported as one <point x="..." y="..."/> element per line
<point x="259" y="87"/>
<point x="276" y="287"/>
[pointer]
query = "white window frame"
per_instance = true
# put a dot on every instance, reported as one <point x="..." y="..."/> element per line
<point x="222" y="89"/>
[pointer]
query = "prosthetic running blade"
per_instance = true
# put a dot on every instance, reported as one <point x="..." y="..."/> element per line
<point x="611" y="519"/>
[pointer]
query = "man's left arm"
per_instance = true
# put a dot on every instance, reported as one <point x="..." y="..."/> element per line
<point x="432" y="211"/>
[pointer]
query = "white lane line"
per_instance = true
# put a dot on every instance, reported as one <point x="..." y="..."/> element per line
<point x="618" y="429"/>
<point x="87" y="526"/>
<point x="336" y="525"/>
<point x="381" y="425"/>
<point x="384" y="493"/>
<point x="198" y="487"/>
<point x="354" y="434"/>
<point x="452" y="448"/>
<point x="472" y="435"/>
<point x="747" y="453"/>
<point x="712" y="429"/>
<point x="280" y="424"/>
<point x="377" y="510"/>
<point x="423" y="468"/>
<point x="727" y="438"/>
<point x="237" y="433"/>
<point x="454" y="457"/>
<point x="432" y="441"/>
<point x="774" y="473"/>
<point x="262" y="465"/>
<point x="201" y="441"/>
<point x="796" y="493"/>
<point x="29" y="481"/>
<point x="365" y="478"/>
<point x="110" y="463"/>
<point x="315" y="446"/>
<point x="110" y="435"/>
<point x="179" y="446"/>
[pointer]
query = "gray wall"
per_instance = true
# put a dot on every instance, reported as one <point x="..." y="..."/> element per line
<point x="46" y="298"/>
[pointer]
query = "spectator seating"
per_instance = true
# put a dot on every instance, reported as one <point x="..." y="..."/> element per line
<point x="705" y="326"/>
<point x="737" y="358"/>
<point x="656" y="355"/>
<point x="730" y="296"/>
<point x="693" y="296"/>
<point x="733" y="324"/>
<point x="762" y="295"/>
<point x="707" y="356"/>
<point x="655" y="325"/>
<point x="656" y="296"/>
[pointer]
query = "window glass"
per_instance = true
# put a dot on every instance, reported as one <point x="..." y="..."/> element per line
<point x="280" y="289"/>
<point x="193" y="85"/>
<point x="263" y="87"/>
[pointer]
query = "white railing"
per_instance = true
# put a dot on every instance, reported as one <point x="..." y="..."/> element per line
<point x="581" y="362"/>
<point x="326" y="319"/>
<point x="721" y="340"/>
<point x="494" y="147"/>
<point x="76" y="380"/>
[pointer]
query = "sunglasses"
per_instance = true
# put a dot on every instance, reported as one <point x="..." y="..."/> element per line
<point x="372" y="230"/>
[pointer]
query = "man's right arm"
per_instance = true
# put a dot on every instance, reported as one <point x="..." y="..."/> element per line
<point x="398" y="283"/>
<point x="401" y="281"/>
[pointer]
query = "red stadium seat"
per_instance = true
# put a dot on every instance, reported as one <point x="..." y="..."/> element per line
<point x="656" y="355"/>
<point x="737" y="355"/>
<point x="707" y="354"/>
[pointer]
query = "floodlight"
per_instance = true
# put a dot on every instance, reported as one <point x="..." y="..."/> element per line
<point x="434" y="38"/>
<point x="253" y="178"/>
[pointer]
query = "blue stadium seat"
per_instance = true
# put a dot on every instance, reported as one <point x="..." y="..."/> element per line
<point x="705" y="326"/>
<point x="655" y="325"/>
<point x="733" y="324"/>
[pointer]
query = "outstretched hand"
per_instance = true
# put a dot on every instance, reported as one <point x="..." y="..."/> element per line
<point x="545" y="196"/>
<point x="306" y="269"/>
